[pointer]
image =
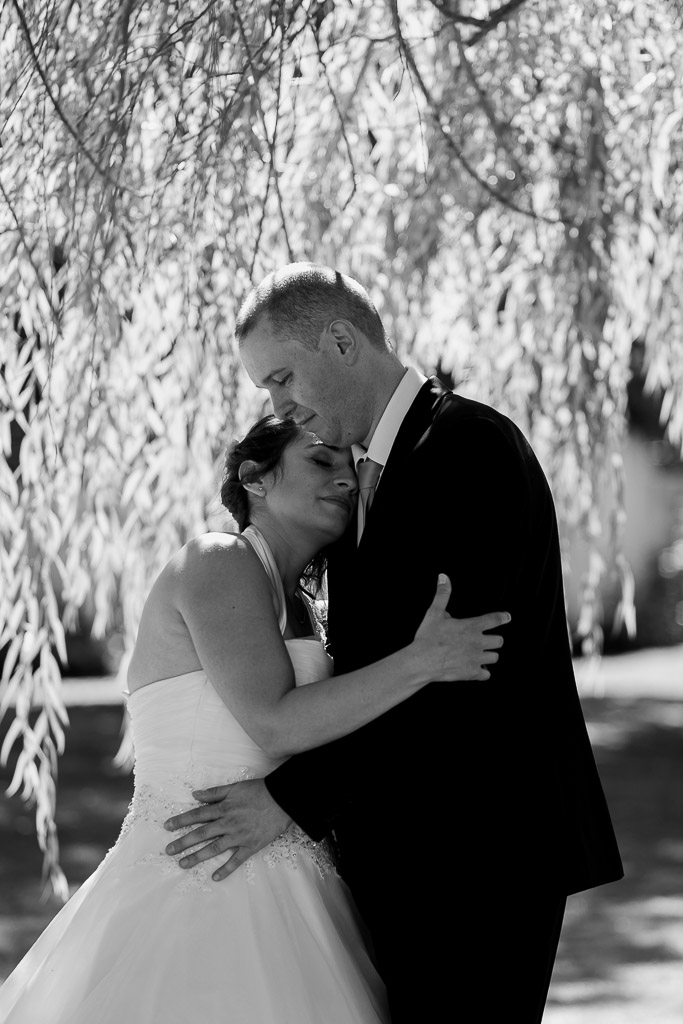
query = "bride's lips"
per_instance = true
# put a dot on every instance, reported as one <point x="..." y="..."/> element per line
<point x="345" y="503"/>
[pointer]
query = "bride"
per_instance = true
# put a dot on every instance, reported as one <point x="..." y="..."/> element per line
<point x="227" y="640"/>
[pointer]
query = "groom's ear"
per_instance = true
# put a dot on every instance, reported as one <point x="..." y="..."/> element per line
<point x="345" y="338"/>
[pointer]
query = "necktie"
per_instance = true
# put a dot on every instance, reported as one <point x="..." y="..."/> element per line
<point x="368" y="475"/>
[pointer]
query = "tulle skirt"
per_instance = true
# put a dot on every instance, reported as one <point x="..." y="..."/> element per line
<point x="144" y="941"/>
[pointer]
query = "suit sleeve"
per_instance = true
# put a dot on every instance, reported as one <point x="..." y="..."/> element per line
<point x="478" y="531"/>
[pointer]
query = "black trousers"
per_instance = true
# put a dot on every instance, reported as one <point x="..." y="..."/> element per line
<point x="488" y="962"/>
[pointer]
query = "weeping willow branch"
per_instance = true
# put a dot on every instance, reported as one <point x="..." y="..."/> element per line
<point x="120" y="380"/>
<point x="500" y="130"/>
<point x="444" y="128"/>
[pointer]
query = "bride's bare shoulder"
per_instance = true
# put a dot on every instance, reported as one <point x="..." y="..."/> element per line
<point x="214" y="558"/>
<point x="207" y="544"/>
<point x="210" y="576"/>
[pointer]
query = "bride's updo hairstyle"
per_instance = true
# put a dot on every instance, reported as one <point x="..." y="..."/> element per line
<point x="265" y="444"/>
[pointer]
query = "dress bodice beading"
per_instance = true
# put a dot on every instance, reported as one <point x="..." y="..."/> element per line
<point x="186" y="738"/>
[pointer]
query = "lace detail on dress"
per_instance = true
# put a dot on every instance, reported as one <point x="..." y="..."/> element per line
<point x="287" y="848"/>
<point x="154" y="804"/>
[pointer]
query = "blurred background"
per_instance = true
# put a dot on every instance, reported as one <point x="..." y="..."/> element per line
<point x="505" y="179"/>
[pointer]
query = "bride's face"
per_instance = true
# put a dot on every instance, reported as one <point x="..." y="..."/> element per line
<point x="314" y="486"/>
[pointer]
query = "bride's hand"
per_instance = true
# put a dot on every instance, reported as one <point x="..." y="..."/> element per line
<point x="456" y="649"/>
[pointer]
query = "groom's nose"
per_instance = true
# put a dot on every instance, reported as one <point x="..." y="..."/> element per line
<point x="283" y="406"/>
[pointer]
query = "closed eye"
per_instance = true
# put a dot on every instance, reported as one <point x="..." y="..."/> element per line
<point x="283" y="381"/>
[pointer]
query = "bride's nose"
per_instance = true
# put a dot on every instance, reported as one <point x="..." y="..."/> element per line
<point x="347" y="481"/>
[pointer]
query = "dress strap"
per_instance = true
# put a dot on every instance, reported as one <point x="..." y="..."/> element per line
<point x="257" y="541"/>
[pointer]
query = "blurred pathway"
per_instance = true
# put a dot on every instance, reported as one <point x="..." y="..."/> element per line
<point x="620" y="959"/>
<point x="655" y="674"/>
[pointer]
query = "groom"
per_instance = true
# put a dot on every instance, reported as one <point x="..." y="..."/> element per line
<point x="465" y="816"/>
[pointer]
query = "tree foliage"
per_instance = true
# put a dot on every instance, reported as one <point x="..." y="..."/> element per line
<point x="505" y="178"/>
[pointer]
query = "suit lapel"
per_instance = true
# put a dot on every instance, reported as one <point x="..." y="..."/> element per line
<point x="348" y="561"/>
<point x="393" y="485"/>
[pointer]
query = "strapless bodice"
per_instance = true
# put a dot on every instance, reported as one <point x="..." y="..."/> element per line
<point x="143" y="940"/>
<point x="183" y="731"/>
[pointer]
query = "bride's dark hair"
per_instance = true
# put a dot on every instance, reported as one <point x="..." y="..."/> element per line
<point x="264" y="444"/>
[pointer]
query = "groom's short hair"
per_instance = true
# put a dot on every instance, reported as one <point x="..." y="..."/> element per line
<point x="302" y="298"/>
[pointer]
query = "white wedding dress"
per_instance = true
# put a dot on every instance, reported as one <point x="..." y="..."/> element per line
<point x="144" y="941"/>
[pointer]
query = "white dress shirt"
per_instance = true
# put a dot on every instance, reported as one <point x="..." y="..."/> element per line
<point x="382" y="441"/>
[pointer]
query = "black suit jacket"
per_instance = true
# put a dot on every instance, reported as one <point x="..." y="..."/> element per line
<point x="504" y="768"/>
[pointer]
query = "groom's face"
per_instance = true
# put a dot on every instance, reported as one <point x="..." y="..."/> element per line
<point x="310" y="386"/>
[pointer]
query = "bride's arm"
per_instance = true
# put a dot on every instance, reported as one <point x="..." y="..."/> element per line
<point x="225" y="600"/>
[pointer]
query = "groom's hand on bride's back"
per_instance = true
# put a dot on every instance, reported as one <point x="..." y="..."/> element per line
<point x="242" y="818"/>
<point x="457" y="649"/>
